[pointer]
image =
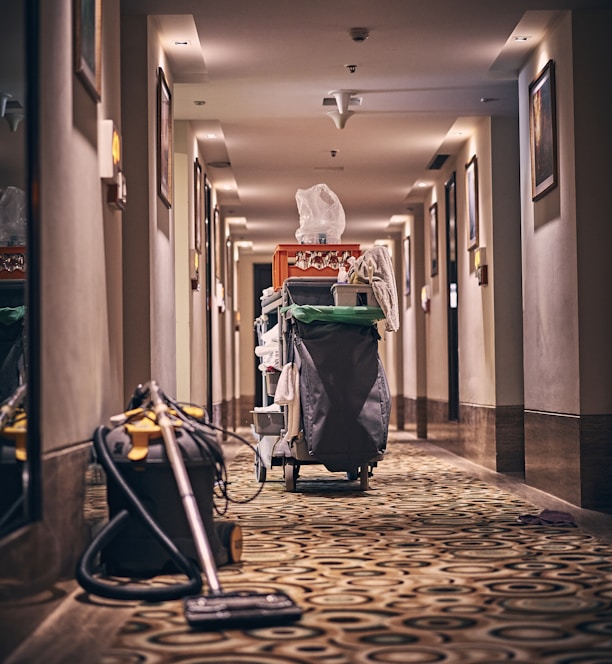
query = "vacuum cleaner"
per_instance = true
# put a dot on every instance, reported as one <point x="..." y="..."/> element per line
<point x="13" y="455"/>
<point x="184" y="434"/>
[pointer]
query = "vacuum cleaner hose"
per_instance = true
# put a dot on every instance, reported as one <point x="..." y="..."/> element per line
<point x="86" y="564"/>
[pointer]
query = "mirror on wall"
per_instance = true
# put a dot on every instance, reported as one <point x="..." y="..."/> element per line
<point x="16" y="453"/>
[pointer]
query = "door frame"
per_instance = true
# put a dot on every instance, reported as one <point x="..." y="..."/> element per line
<point x="452" y="290"/>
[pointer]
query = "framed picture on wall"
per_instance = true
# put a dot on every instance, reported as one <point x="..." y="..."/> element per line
<point x="219" y="243"/>
<point x="87" y="36"/>
<point x="450" y="192"/>
<point x="471" y="182"/>
<point x="407" y="265"/>
<point x="433" y="238"/>
<point x="164" y="139"/>
<point x="197" y="205"/>
<point x="543" y="132"/>
<point x="207" y="218"/>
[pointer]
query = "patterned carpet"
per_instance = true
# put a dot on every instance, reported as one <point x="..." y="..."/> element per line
<point x="427" y="565"/>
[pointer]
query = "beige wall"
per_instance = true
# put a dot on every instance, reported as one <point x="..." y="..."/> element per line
<point x="148" y="288"/>
<point x="505" y="262"/>
<point x="490" y="331"/>
<point x="183" y="175"/>
<point x="566" y="266"/>
<point x="476" y="322"/>
<point x="413" y="318"/>
<point x="475" y="305"/>
<point x="550" y="291"/>
<point x="81" y="244"/>
<point x="190" y="304"/>
<point x="592" y="103"/>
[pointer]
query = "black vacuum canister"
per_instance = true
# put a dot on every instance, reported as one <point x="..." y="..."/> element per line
<point x="12" y="483"/>
<point x="135" y="551"/>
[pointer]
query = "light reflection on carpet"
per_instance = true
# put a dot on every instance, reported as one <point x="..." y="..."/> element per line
<point x="428" y="565"/>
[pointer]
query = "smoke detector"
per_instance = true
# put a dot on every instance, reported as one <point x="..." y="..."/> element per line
<point x="359" y="34"/>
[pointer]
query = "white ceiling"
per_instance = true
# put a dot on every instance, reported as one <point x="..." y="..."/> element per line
<point x="263" y="68"/>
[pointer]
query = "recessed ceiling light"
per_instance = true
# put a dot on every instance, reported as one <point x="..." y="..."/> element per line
<point x="182" y="42"/>
<point x="211" y="135"/>
<point x="521" y="38"/>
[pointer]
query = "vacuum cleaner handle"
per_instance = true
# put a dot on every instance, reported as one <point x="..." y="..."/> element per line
<point x="196" y="525"/>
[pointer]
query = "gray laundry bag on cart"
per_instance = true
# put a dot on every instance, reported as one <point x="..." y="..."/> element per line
<point x="344" y="393"/>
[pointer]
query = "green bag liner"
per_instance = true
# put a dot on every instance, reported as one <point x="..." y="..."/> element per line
<point x="10" y="315"/>
<point x="308" y="313"/>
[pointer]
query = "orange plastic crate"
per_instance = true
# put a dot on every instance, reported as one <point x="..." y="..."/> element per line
<point x="310" y="260"/>
<point x="12" y="262"/>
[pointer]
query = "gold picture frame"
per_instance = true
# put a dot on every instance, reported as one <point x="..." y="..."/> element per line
<point x="87" y="45"/>
<point x="433" y="238"/>
<point x="164" y="139"/>
<point x="543" y="132"/>
<point x="471" y="183"/>
<point x="197" y="205"/>
<point x="407" y="266"/>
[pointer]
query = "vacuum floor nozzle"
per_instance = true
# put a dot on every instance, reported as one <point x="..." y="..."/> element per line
<point x="240" y="609"/>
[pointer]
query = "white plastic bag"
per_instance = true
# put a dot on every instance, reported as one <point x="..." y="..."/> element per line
<point x="322" y="217"/>
<point x="13" y="217"/>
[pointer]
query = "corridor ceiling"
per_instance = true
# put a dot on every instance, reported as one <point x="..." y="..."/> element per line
<point x="255" y="76"/>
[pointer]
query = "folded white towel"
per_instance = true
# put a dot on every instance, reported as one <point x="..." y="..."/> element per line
<point x="271" y="336"/>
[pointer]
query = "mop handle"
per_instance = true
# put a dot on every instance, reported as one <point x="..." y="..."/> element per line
<point x="203" y="548"/>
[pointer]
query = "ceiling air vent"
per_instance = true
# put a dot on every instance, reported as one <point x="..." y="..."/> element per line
<point x="219" y="164"/>
<point x="437" y="162"/>
<point x="331" y="101"/>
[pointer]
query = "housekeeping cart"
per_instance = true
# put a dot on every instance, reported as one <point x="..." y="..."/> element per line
<point x="332" y="397"/>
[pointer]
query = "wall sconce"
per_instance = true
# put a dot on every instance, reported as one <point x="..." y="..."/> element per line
<point x="11" y="111"/>
<point x="109" y="149"/>
<point x="13" y="120"/>
<point x="4" y="97"/>
<point x="220" y="295"/>
<point x="481" y="267"/>
<point x="425" y="299"/>
<point x="194" y="269"/>
<point x="116" y="194"/>
<point x="109" y="163"/>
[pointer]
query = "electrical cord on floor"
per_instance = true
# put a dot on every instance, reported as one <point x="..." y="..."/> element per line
<point x="201" y="430"/>
<point x="86" y="564"/>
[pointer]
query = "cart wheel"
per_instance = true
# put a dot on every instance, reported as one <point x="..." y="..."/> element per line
<point x="230" y="535"/>
<point x="291" y="474"/>
<point x="364" y="477"/>
<point x="352" y="475"/>
<point x="260" y="470"/>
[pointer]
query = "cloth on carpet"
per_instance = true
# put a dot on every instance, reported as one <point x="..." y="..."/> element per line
<point x="548" y="518"/>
